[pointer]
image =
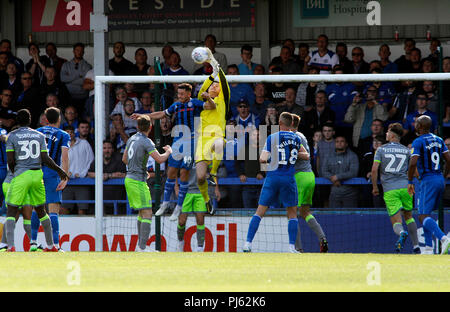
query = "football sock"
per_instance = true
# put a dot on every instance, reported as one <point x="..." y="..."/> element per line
<point x="200" y="235"/>
<point x="10" y="225"/>
<point x="145" y="232"/>
<point x="292" y="230"/>
<point x="298" y="240"/>
<point x="182" y="193"/>
<point x="180" y="232"/>
<point x="412" y="231"/>
<point x="139" y="219"/>
<point x="216" y="163"/>
<point x="27" y="227"/>
<point x="433" y="227"/>
<point x="35" y="223"/>
<point x="398" y="228"/>
<point x="253" y="227"/>
<point x="428" y="236"/>
<point x="4" y="235"/>
<point x="46" y="224"/>
<point x="55" y="227"/>
<point x="315" y="226"/>
<point x="169" y="186"/>
<point x="204" y="190"/>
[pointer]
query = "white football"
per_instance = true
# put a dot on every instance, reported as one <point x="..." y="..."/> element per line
<point x="200" y="55"/>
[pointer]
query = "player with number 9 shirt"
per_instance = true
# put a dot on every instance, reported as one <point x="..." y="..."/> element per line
<point x="428" y="150"/>
<point x="280" y="153"/>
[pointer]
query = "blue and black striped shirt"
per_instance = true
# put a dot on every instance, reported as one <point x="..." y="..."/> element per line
<point x="429" y="148"/>
<point x="56" y="140"/>
<point x="185" y="114"/>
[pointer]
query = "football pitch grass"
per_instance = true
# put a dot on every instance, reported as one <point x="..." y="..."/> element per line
<point x="222" y="272"/>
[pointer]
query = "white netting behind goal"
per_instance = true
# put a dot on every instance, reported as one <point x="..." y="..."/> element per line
<point x="347" y="230"/>
<point x="223" y="233"/>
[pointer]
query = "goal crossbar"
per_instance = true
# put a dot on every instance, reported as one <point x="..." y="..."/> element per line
<point x="99" y="111"/>
<point x="278" y="78"/>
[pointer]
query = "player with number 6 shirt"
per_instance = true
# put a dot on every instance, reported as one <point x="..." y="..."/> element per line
<point x="139" y="148"/>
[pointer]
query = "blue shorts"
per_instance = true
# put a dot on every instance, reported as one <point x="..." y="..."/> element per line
<point x="51" y="195"/>
<point x="3" y="173"/>
<point x="279" y="189"/>
<point x="417" y="195"/>
<point x="431" y="191"/>
<point x="179" y="158"/>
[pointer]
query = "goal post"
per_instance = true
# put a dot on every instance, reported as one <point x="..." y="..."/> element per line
<point x="99" y="113"/>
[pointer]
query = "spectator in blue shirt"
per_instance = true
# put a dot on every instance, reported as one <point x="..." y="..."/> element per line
<point x="387" y="66"/>
<point x="239" y="90"/>
<point x="259" y="107"/>
<point x="175" y="68"/>
<point x="147" y="104"/>
<point x="340" y="97"/>
<point x="385" y="89"/>
<point x="422" y="109"/>
<point x="246" y="67"/>
<point x="245" y="118"/>
<point x="71" y="117"/>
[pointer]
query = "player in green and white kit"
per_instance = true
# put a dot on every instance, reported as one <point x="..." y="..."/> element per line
<point x="139" y="147"/>
<point x="27" y="209"/>
<point x="393" y="159"/>
<point x="26" y="151"/>
<point x="306" y="182"/>
<point x="194" y="203"/>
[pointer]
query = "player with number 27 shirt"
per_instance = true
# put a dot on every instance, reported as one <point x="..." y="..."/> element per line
<point x="392" y="159"/>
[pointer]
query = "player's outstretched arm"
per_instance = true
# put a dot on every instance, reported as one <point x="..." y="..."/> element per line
<point x="411" y="173"/>
<point x="11" y="161"/>
<point x="206" y="84"/>
<point x="303" y="153"/>
<point x="49" y="162"/>
<point x="65" y="159"/>
<point x="374" y="177"/>
<point x="125" y="157"/>
<point x="209" y="102"/>
<point x="160" y="158"/>
<point x="215" y="65"/>
<point x="264" y="157"/>
<point x="154" y="115"/>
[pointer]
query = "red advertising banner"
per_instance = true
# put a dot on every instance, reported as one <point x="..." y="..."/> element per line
<point x="61" y="15"/>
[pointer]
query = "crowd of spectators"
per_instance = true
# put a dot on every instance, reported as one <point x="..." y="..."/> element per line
<point x="344" y="122"/>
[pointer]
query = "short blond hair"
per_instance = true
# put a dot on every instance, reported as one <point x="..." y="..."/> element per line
<point x="295" y="121"/>
<point x="286" y="119"/>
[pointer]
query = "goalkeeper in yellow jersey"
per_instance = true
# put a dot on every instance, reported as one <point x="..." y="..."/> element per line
<point x="210" y="143"/>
